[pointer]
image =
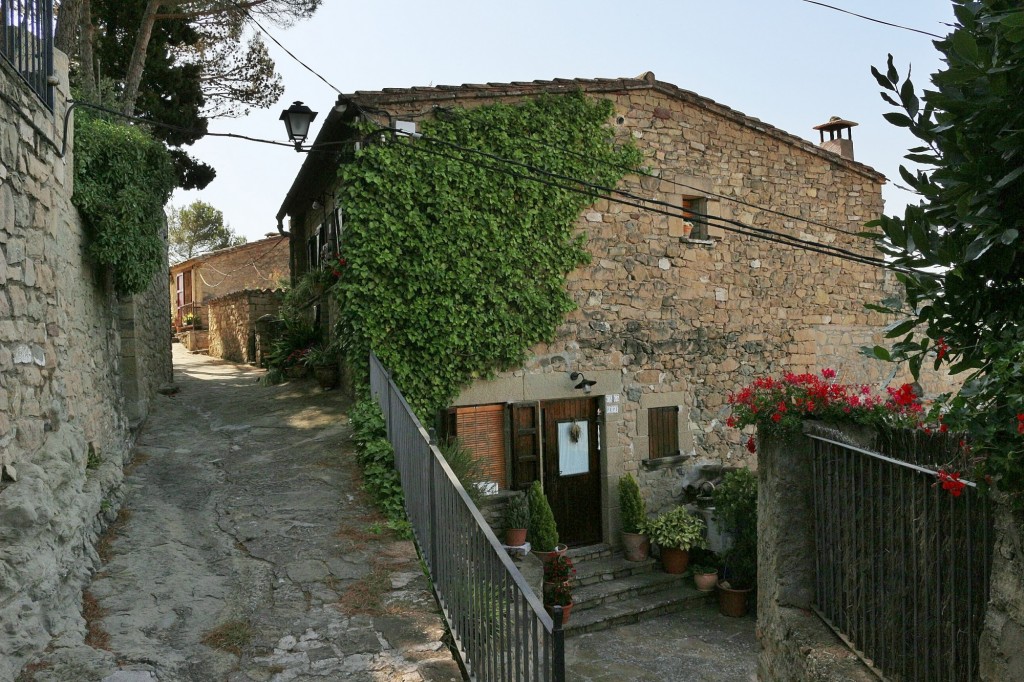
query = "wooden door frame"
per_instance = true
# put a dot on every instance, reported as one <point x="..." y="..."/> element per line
<point x="594" y="417"/>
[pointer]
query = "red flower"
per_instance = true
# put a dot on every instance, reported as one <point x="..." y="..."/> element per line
<point x="941" y="348"/>
<point x="951" y="482"/>
<point x="828" y="373"/>
<point x="730" y="422"/>
<point x="751" y="445"/>
<point x="943" y="428"/>
<point x="777" y="417"/>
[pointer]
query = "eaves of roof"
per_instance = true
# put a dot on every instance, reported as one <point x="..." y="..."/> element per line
<point x="309" y="181"/>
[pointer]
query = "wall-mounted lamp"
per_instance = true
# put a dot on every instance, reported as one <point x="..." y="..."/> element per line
<point x="584" y="383"/>
<point x="296" y="119"/>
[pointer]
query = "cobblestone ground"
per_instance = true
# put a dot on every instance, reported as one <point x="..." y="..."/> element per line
<point x="245" y="551"/>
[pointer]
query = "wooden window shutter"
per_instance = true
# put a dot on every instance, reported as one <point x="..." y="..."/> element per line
<point x="663" y="431"/>
<point x="482" y="430"/>
<point x="525" y="445"/>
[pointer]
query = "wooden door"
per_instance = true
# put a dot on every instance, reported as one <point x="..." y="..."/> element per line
<point x="572" y="468"/>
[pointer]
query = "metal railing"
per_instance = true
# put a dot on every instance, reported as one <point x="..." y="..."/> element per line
<point x="186" y="309"/>
<point x="902" y="565"/>
<point x="498" y="623"/>
<point x="26" y="41"/>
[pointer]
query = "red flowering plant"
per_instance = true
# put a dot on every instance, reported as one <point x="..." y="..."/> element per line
<point x="778" y="406"/>
<point x="559" y="570"/>
<point x="335" y="266"/>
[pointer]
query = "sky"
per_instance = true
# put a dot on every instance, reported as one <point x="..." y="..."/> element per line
<point x="790" y="63"/>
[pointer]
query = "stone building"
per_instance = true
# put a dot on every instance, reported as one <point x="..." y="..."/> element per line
<point x="255" y="265"/>
<point x="668" y="322"/>
<point x="78" y="368"/>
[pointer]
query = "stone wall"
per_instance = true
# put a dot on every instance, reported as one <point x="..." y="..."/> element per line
<point x="1002" y="640"/>
<point x="64" y="426"/>
<point x="233" y="323"/>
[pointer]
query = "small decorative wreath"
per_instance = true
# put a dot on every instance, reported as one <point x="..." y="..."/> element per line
<point x="575" y="432"/>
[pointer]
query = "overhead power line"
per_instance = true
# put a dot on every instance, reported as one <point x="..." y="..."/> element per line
<point x="593" y="191"/>
<point x="678" y="183"/>
<point x="277" y="42"/>
<point x="638" y="201"/>
<point x="877" y="21"/>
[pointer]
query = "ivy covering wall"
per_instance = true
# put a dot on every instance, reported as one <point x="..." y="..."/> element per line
<point x="454" y="270"/>
<point x="123" y="178"/>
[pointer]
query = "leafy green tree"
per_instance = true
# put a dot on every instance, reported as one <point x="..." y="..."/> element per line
<point x="196" y="229"/>
<point x="176" y="62"/>
<point x="959" y="254"/>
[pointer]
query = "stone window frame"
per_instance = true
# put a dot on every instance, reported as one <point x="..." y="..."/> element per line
<point x="679" y="400"/>
<point x="698" y="205"/>
<point x="663" y="432"/>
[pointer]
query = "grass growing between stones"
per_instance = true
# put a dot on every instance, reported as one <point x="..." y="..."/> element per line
<point x="230" y="636"/>
<point x="92" y="612"/>
<point x="139" y="458"/>
<point x="104" y="548"/>
<point x="364" y="595"/>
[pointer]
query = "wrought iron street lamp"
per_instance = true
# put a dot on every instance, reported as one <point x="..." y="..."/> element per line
<point x="296" y="119"/>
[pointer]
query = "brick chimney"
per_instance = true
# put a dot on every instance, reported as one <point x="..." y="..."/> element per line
<point x="843" y="146"/>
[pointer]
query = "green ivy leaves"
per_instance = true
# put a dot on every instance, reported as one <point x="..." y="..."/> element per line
<point x="457" y="266"/>
<point x="123" y="178"/>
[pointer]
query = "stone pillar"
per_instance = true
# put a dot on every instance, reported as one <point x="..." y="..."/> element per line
<point x="795" y="645"/>
<point x="1001" y="650"/>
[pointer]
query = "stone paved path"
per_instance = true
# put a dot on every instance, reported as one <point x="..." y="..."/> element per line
<point x="244" y="551"/>
<point x="700" y="645"/>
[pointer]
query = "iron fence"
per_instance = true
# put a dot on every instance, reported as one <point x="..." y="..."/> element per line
<point x="902" y="565"/>
<point x="496" y="620"/>
<point x="26" y="41"/>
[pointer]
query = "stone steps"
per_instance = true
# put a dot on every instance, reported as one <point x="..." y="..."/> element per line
<point x="609" y="568"/>
<point x="611" y="591"/>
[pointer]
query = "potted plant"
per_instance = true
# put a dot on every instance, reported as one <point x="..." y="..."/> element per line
<point x="542" y="533"/>
<point x="705" y="577"/>
<point x="517" y="519"/>
<point x="322" y="358"/>
<point x="675" y="532"/>
<point x="190" y="320"/>
<point x="635" y="544"/>
<point x="558" y="571"/>
<point x="561" y="595"/>
<point x="736" y="506"/>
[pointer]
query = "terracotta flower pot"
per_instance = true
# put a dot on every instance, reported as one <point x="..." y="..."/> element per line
<point x="515" y="537"/>
<point x="635" y="546"/>
<point x="565" y="612"/>
<point x="705" y="582"/>
<point x="545" y="557"/>
<point x="732" y="602"/>
<point x="327" y="376"/>
<point x="674" y="560"/>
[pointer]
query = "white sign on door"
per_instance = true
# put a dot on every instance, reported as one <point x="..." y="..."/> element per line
<point x="573" y="448"/>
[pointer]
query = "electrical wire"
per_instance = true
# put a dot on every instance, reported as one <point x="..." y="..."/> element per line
<point x="750" y="231"/>
<point x="679" y="211"/>
<point x="289" y="52"/>
<point x="877" y="21"/>
<point x="702" y="192"/>
<point x="367" y="110"/>
<point x="159" y="124"/>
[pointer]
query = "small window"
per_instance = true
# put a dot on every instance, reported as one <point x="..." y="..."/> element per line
<point x="696" y="209"/>
<point x="663" y="431"/>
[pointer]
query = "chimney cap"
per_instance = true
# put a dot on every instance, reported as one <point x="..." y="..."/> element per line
<point x="835" y="123"/>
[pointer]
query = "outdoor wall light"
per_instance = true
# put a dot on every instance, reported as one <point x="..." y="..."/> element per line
<point x="584" y="383"/>
<point x="296" y="119"/>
